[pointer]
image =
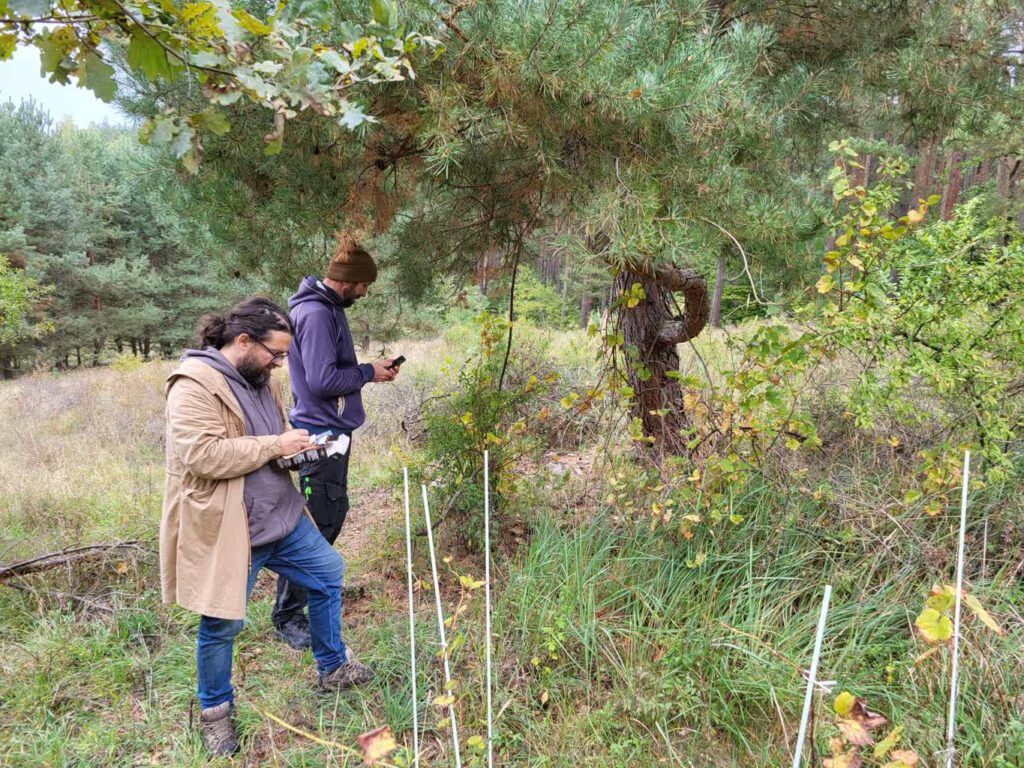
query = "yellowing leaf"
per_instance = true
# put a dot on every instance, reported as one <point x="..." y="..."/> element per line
<point x="7" y="45"/>
<point x="844" y="703"/>
<point x="697" y="561"/>
<point x="976" y="607"/>
<point x="903" y="758"/>
<point x="251" y="24"/>
<point x="883" y="747"/>
<point x="445" y="700"/>
<point x="376" y="744"/>
<point x="469" y="583"/>
<point x="915" y="216"/>
<point x="942" y="599"/>
<point x="201" y="19"/>
<point x="934" y="627"/>
<point x="544" y="697"/>
<point x="825" y="284"/>
<point x="121" y="567"/>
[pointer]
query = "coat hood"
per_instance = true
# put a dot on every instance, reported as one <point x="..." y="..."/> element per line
<point x="313" y="289"/>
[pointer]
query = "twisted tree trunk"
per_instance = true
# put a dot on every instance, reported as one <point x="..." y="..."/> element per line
<point x="651" y="332"/>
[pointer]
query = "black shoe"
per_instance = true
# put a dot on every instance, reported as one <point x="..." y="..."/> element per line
<point x="296" y="634"/>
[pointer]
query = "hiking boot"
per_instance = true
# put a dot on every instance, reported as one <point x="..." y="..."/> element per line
<point x="352" y="672"/>
<point x="217" y="730"/>
<point x="296" y="634"/>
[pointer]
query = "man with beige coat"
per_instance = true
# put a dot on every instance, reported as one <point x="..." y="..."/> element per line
<point x="230" y="511"/>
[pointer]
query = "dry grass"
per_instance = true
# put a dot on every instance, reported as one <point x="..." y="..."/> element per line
<point x="83" y="454"/>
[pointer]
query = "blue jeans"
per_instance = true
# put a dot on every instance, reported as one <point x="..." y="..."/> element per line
<point x="325" y="486"/>
<point x="305" y="558"/>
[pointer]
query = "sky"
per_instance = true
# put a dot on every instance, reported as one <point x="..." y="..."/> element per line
<point x="20" y="79"/>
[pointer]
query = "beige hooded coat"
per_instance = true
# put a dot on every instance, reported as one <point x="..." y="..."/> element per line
<point x="204" y="532"/>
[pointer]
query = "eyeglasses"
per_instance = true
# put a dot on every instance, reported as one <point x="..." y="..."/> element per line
<point x="276" y="357"/>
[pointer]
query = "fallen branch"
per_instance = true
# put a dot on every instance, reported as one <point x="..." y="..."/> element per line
<point x="66" y="557"/>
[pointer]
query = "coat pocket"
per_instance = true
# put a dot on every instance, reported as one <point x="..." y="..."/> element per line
<point x="202" y="511"/>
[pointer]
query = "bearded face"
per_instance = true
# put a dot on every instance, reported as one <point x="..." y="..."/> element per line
<point x="349" y="293"/>
<point x="255" y="372"/>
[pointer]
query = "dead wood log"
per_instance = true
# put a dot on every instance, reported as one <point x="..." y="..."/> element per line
<point x="67" y="557"/>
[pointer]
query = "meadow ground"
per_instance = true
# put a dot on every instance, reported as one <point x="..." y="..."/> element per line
<point x="616" y="645"/>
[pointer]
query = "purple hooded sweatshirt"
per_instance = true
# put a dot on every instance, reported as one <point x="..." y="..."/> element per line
<point x="322" y="362"/>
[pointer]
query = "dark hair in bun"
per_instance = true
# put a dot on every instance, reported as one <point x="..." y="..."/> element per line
<point x="255" y="316"/>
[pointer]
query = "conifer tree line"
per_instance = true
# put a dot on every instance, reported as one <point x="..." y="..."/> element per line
<point x="92" y="260"/>
<point x="587" y="139"/>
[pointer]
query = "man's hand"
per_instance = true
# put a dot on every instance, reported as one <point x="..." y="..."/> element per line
<point x="293" y="441"/>
<point x="381" y="372"/>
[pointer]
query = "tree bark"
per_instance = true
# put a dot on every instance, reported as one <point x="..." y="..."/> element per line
<point x="484" y="272"/>
<point x="952" y="193"/>
<point x="97" y="348"/>
<point x="650" y="335"/>
<point x="565" y="291"/>
<point x="924" y="173"/>
<point x="983" y="172"/>
<point x="585" y="303"/>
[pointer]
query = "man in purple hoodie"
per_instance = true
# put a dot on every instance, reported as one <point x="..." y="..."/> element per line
<point x="326" y="381"/>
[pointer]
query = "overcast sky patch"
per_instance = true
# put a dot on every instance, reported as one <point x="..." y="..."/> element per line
<point x="20" y="79"/>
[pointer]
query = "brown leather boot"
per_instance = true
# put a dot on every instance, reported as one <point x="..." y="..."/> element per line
<point x="218" y="731"/>
<point x="352" y="672"/>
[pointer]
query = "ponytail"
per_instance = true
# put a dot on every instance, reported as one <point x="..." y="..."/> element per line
<point x="211" y="331"/>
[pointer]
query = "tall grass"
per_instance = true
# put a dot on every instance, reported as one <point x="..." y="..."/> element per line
<point x="618" y="645"/>
<point x="710" y="655"/>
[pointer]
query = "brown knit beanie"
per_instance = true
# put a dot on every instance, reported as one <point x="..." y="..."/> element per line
<point x="350" y="263"/>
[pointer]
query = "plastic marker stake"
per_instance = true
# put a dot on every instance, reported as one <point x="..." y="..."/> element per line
<point x="412" y="623"/>
<point x="440" y="628"/>
<point x="951" y="733"/>
<point x="487" y="603"/>
<point x="809" y="696"/>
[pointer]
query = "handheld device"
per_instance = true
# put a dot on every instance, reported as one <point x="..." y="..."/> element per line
<point x="396" y="362"/>
<point x="323" y="448"/>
